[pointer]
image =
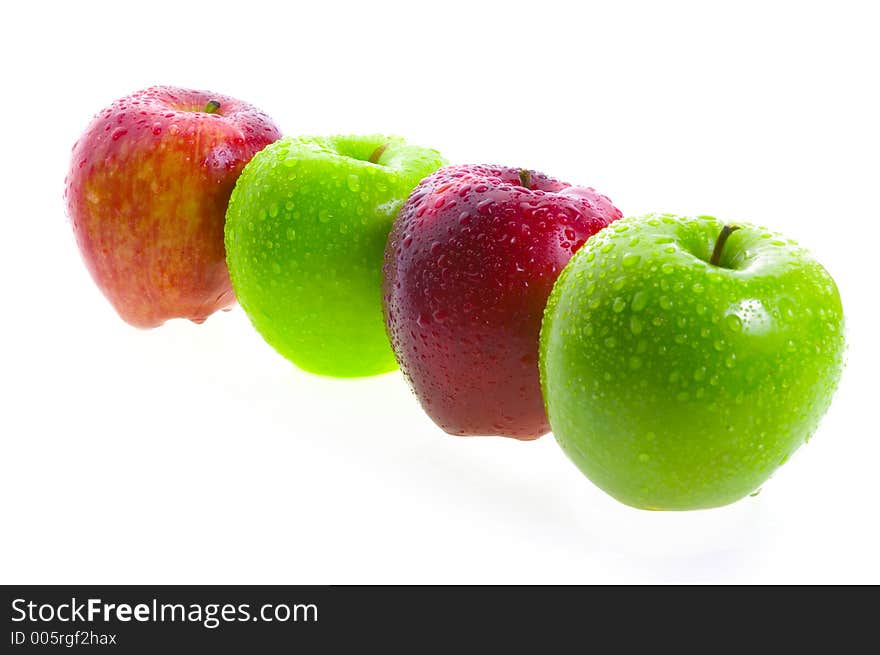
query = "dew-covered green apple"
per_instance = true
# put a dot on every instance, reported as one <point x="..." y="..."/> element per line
<point x="683" y="360"/>
<point x="305" y="237"/>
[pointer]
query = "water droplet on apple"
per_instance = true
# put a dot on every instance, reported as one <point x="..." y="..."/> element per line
<point x="733" y="323"/>
<point x="635" y="325"/>
<point x="639" y="301"/>
<point x="630" y="259"/>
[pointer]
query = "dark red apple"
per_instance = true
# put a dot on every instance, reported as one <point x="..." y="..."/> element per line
<point x="469" y="265"/>
<point x="147" y="192"/>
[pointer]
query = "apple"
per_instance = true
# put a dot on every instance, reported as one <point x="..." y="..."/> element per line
<point x="683" y="360"/>
<point x="147" y="191"/>
<point x="305" y="233"/>
<point x="469" y="265"/>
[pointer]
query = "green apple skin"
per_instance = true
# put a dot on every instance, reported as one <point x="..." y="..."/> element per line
<point x="305" y="237"/>
<point x="676" y="384"/>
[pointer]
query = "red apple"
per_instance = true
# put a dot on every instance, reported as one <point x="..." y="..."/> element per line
<point x="147" y="191"/>
<point x="469" y="265"/>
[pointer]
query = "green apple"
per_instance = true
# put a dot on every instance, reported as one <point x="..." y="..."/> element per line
<point x="682" y="361"/>
<point x="305" y="236"/>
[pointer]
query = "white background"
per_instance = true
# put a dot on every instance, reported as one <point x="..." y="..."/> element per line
<point x="195" y="454"/>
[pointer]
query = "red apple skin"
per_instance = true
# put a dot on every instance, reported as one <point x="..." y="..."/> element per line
<point x="469" y="265"/>
<point x="147" y="192"/>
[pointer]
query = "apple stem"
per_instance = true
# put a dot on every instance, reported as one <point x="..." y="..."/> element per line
<point x="525" y="178"/>
<point x="725" y="233"/>
<point x="374" y="158"/>
<point x="211" y="107"/>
